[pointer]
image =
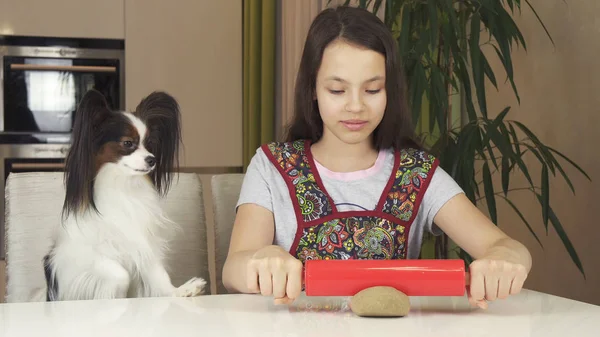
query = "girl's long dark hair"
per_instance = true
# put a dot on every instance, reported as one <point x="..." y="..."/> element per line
<point x="362" y="28"/>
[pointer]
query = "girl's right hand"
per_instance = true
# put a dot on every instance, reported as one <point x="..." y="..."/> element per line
<point x="274" y="271"/>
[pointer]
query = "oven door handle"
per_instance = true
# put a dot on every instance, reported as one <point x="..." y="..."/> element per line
<point x="18" y="66"/>
<point x="29" y="166"/>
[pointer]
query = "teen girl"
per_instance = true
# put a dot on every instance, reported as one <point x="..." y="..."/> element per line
<point x="350" y="182"/>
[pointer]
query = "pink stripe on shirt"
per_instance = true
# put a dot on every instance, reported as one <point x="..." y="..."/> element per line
<point x="348" y="176"/>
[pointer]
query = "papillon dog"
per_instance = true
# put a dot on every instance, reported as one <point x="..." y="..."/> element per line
<point x="114" y="234"/>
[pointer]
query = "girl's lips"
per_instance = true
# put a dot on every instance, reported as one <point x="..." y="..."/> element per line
<point x="354" y="125"/>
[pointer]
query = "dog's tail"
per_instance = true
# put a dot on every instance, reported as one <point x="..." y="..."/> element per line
<point x="51" y="288"/>
<point x="42" y="294"/>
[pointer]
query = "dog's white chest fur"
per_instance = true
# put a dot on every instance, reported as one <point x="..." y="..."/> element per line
<point x="130" y="224"/>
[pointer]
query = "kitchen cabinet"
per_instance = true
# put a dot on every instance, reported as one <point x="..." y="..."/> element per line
<point x="192" y="50"/>
<point x="63" y="18"/>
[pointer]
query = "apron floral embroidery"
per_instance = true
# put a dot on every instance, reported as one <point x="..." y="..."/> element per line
<point x="326" y="233"/>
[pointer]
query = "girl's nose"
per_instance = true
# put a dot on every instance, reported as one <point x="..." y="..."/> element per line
<point x="355" y="103"/>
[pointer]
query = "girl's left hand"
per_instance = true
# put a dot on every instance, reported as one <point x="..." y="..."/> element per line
<point x="492" y="279"/>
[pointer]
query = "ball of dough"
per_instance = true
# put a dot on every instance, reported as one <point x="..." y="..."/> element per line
<point x="380" y="302"/>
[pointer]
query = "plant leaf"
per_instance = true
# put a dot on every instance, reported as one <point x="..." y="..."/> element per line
<point x="500" y="118"/>
<point x="515" y="140"/>
<point x="433" y="21"/>
<point x="417" y="90"/>
<point x="405" y="30"/>
<point x="564" y="174"/>
<point x="488" y="70"/>
<point x="545" y="195"/>
<point x="467" y="170"/>
<point x="505" y="175"/>
<point x="467" y="141"/>
<point x="514" y="207"/>
<point x="503" y="144"/>
<point x="488" y="187"/>
<point x="535" y="152"/>
<point x="506" y="150"/>
<point x="477" y="64"/>
<point x="571" y="162"/>
<point x="540" y="20"/>
<point x="486" y="144"/>
<point x="376" y="6"/>
<point x="563" y="237"/>
<point x="543" y="150"/>
<point x="478" y="145"/>
<point x="507" y="62"/>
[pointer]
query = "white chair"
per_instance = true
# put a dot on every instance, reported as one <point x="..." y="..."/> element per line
<point x="33" y="206"/>
<point x="225" y="193"/>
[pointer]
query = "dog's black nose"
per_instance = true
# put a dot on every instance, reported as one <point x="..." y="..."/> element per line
<point x="150" y="160"/>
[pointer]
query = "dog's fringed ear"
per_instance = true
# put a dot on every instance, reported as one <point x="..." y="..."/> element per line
<point x="80" y="161"/>
<point x="160" y="112"/>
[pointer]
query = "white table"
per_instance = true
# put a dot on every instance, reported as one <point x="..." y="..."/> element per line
<point x="527" y="314"/>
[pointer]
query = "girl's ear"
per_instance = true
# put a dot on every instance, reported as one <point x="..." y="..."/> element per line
<point x="160" y="112"/>
<point x="80" y="167"/>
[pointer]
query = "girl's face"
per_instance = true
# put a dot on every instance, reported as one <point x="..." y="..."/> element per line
<point x="350" y="92"/>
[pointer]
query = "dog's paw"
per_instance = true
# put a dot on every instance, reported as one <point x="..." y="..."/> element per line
<point x="193" y="287"/>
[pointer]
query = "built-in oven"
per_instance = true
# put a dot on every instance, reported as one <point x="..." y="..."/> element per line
<point x="42" y="80"/>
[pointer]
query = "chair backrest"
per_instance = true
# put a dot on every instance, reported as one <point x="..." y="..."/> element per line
<point x="33" y="206"/>
<point x="225" y="193"/>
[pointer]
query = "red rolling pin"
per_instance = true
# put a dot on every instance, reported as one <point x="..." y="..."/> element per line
<point x="412" y="277"/>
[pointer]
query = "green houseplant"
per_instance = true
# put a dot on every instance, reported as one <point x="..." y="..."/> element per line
<point x="440" y="44"/>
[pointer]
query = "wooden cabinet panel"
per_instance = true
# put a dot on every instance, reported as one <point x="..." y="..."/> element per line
<point x="193" y="50"/>
<point x="63" y="18"/>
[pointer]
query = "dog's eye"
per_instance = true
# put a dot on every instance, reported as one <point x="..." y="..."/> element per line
<point x="128" y="144"/>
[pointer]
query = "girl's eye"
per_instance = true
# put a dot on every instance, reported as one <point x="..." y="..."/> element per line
<point x="373" y="91"/>
<point x="336" y="92"/>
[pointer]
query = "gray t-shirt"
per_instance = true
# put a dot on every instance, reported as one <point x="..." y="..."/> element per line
<point x="361" y="190"/>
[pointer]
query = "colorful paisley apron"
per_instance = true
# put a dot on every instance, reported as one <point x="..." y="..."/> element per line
<point x="326" y="233"/>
